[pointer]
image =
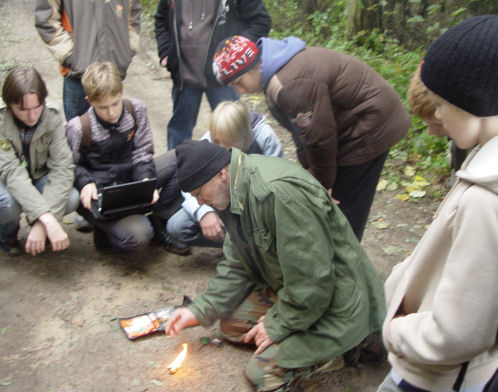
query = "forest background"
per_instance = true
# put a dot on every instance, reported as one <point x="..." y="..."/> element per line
<point x="59" y="311"/>
<point x="391" y="36"/>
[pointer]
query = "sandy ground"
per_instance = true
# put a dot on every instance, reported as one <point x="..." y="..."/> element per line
<point x="59" y="311"/>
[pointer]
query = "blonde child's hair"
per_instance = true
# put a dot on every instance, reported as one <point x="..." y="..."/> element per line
<point x="230" y="125"/>
<point x="101" y="80"/>
<point x="420" y="98"/>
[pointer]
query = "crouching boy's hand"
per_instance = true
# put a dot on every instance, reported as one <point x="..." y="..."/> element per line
<point x="88" y="193"/>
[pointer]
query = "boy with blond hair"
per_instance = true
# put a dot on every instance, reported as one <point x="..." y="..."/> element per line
<point x="231" y="125"/>
<point x="441" y="323"/>
<point x="112" y="144"/>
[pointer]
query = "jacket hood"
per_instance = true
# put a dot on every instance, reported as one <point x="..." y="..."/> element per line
<point x="255" y="118"/>
<point x="482" y="167"/>
<point x="276" y="53"/>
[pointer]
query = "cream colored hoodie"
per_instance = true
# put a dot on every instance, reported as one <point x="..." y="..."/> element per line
<point x="446" y="292"/>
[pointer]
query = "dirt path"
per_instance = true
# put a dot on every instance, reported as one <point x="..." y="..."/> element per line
<point x="58" y="311"/>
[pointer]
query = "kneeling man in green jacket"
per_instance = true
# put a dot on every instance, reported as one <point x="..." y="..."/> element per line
<point x="295" y="281"/>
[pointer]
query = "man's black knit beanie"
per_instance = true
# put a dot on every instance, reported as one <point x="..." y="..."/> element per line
<point x="461" y="66"/>
<point x="199" y="161"/>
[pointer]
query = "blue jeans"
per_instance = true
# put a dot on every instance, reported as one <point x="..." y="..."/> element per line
<point x="186" y="104"/>
<point x="186" y="229"/>
<point x="10" y="210"/>
<point x="73" y="97"/>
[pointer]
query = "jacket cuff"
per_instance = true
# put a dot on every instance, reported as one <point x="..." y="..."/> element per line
<point x="201" y="211"/>
<point x="201" y="319"/>
<point x="33" y="216"/>
<point x="275" y="331"/>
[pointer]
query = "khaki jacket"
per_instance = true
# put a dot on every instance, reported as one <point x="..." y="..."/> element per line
<point x="49" y="155"/>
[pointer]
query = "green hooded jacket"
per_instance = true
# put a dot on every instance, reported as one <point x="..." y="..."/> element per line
<point x="285" y="232"/>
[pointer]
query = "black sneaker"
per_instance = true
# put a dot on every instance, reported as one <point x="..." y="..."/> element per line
<point x="82" y="225"/>
<point x="100" y="239"/>
<point x="11" y="248"/>
<point x="164" y="239"/>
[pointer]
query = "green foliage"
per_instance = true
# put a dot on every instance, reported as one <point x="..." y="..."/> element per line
<point x="149" y="7"/>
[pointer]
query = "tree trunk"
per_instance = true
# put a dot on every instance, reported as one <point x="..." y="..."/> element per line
<point x="363" y="15"/>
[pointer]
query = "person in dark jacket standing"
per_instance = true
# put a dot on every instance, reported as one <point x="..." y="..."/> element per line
<point x="187" y="33"/>
<point x="343" y="116"/>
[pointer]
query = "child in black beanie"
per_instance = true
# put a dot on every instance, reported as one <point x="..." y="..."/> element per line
<point x="441" y="324"/>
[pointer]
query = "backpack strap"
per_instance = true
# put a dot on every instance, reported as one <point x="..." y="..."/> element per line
<point x="461" y="375"/>
<point x="86" y="132"/>
<point x="129" y="107"/>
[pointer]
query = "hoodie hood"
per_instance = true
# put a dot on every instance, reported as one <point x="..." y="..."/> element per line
<point x="275" y="54"/>
<point x="481" y="167"/>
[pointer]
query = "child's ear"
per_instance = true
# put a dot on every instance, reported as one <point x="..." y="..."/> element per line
<point x="86" y="98"/>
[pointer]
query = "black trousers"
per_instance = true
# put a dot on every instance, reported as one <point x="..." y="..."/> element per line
<point x="354" y="188"/>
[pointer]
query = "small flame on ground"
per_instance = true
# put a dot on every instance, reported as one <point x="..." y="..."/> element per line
<point x="175" y="365"/>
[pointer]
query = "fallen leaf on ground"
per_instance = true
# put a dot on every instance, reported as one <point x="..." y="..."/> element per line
<point x="417" y="194"/>
<point x="391" y="250"/>
<point x="382" y="185"/>
<point x="380" y="224"/>
<point x="402" y="196"/>
<point x="135" y="382"/>
<point x="409" y="171"/>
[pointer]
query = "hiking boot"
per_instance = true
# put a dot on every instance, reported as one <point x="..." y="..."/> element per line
<point x="100" y="239"/>
<point x="11" y="248"/>
<point x="82" y="225"/>
<point x="372" y="350"/>
<point x="164" y="239"/>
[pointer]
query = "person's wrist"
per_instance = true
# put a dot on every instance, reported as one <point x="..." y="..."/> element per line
<point x="47" y="218"/>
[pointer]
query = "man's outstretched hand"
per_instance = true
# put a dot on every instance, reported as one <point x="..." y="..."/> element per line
<point x="181" y="318"/>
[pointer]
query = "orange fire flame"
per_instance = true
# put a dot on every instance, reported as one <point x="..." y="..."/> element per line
<point x="175" y="365"/>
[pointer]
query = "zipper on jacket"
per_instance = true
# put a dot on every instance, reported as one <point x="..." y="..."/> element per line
<point x="180" y="68"/>
<point x="220" y="6"/>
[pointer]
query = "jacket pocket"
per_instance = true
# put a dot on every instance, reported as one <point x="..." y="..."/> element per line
<point x="41" y="155"/>
<point x="263" y="239"/>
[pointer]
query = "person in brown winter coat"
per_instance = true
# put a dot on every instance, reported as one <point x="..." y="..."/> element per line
<point x="343" y="116"/>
